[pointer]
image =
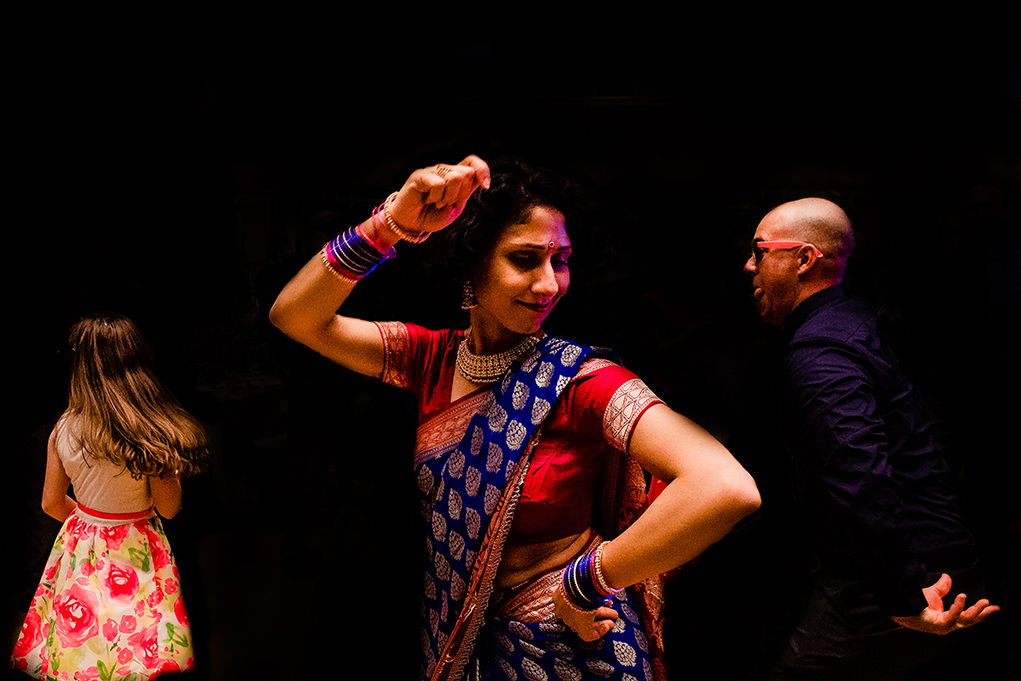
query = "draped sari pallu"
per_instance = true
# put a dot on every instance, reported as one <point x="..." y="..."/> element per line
<point x="471" y="464"/>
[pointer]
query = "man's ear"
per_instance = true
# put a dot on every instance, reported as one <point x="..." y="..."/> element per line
<point x="806" y="259"/>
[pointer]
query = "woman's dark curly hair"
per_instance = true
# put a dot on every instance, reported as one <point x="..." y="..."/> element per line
<point x="455" y="253"/>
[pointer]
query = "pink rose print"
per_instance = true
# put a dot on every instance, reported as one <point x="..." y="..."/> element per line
<point x="145" y="645"/>
<point x="51" y="571"/>
<point x="110" y="630"/>
<point x="179" y="611"/>
<point x="114" y="536"/>
<point x="125" y="655"/>
<point x="171" y="586"/>
<point x="165" y="665"/>
<point x="154" y="598"/>
<point x="31" y="634"/>
<point x="121" y="582"/>
<point x="87" y="568"/>
<point x="76" y="530"/>
<point x="140" y="609"/>
<point x="72" y="523"/>
<point x="160" y="555"/>
<point x="128" y="624"/>
<point x="90" y="674"/>
<point x="75" y="610"/>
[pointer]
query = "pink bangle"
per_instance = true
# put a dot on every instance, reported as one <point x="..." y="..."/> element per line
<point x="372" y="242"/>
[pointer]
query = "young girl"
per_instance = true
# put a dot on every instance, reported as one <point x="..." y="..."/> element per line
<point x="109" y="603"/>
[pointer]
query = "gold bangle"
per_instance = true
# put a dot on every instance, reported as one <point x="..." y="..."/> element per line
<point x="391" y="224"/>
<point x="597" y="559"/>
<point x="571" y="604"/>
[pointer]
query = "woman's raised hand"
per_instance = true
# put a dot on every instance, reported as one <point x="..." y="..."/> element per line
<point x="434" y="197"/>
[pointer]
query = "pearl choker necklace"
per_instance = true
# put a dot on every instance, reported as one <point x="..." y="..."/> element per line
<point x="489" y="368"/>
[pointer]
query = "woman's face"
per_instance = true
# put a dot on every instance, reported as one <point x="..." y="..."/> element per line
<point x="523" y="278"/>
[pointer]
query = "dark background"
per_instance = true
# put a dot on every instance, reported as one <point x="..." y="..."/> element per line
<point x="175" y="162"/>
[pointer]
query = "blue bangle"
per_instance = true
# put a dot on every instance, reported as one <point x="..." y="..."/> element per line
<point x="352" y="256"/>
<point x="581" y="586"/>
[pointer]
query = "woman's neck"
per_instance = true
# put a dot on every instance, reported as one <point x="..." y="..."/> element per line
<point x="492" y="339"/>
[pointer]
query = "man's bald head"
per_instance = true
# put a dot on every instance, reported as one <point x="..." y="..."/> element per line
<point x="819" y="222"/>
<point x="788" y="270"/>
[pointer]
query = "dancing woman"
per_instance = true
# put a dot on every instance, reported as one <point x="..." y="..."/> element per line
<point x="542" y="556"/>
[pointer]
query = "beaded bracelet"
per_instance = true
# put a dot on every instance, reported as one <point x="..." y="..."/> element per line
<point x="583" y="582"/>
<point x="381" y="216"/>
<point x="351" y="256"/>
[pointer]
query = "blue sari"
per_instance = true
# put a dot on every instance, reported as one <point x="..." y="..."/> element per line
<point x="472" y="486"/>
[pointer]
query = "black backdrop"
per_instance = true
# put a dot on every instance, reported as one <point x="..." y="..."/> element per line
<point x="175" y="161"/>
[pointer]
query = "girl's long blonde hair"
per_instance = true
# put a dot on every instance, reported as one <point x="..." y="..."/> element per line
<point x="123" y="412"/>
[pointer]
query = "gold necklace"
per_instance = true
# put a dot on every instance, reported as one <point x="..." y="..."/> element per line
<point x="488" y="368"/>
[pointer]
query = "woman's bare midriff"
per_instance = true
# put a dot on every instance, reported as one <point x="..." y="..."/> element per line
<point x="522" y="562"/>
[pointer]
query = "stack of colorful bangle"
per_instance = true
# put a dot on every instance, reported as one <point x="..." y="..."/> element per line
<point x="584" y="584"/>
<point x="351" y="256"/>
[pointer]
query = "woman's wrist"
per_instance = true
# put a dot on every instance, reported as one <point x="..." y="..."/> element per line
<point x="384" y="220"/>
<point x="381" y="239"/>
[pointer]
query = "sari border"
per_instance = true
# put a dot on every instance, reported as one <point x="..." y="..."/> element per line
<point x="444" y="430"/>
<point x="480" y="589"/>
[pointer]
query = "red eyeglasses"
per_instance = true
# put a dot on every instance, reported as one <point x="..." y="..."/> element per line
<point x="760" y="247"/>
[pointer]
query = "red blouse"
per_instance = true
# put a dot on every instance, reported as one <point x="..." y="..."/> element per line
<point x="598" y="410"/>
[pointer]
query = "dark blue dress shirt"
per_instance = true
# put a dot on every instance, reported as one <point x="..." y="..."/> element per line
<point x="878" y="494"/>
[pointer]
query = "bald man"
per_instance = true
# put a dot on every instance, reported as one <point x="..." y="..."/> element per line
<point x="875" y="489"/>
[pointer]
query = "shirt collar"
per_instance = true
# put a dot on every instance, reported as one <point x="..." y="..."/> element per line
<point x="804" y="310"/>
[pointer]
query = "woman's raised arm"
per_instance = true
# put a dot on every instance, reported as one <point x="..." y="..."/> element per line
<point x="306" y="309"/>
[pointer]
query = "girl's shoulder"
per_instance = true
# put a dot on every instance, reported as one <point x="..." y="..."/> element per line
<point x="66" y="424"/>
